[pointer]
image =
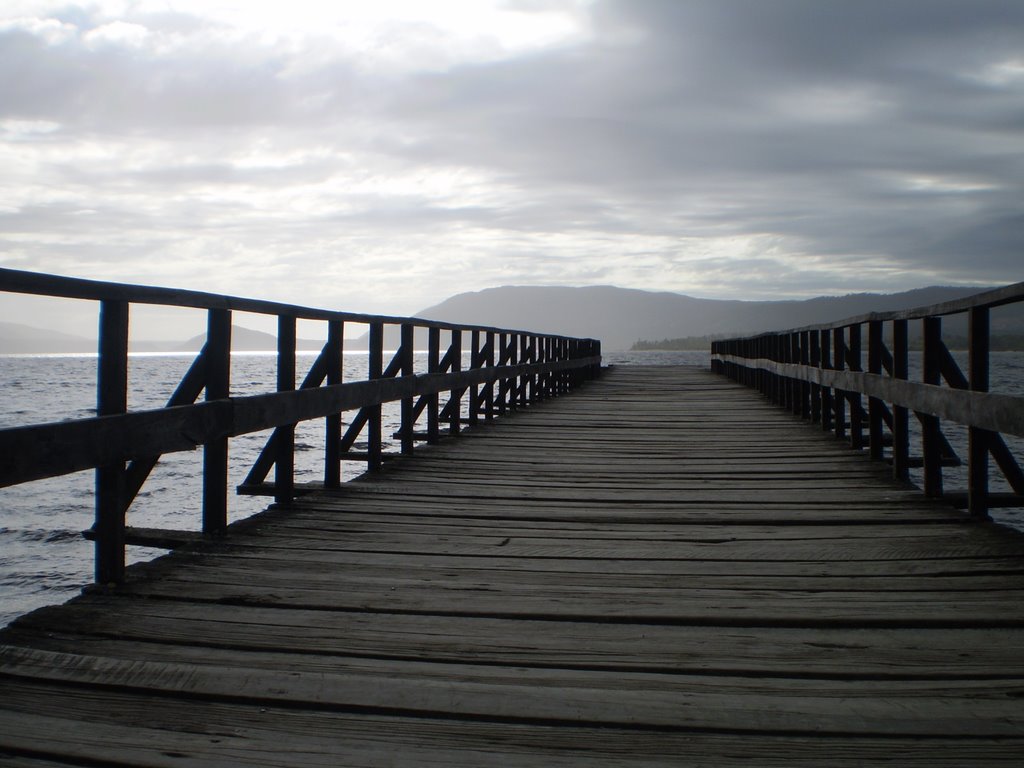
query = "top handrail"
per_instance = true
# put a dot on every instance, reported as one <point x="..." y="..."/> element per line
<point x="986" y="300"/>
<point x="59" y="286"/>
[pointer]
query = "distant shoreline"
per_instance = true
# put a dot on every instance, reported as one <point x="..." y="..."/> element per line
<point x="1010" y="342"/>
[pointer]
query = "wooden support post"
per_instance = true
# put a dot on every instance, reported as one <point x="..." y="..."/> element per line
<point x="900" y="415"/>
<point x="931" y="430"/>
<point x="531" y="396"/>
<point x="567" y="374"/>
<point x="502" y="386"/>
<point x="781" y="383"/>
<point x="433" y="366"/>
<point x="374" y="423"/>
<point x="792" y="355"/>
<point x="839" y="398"/>
<point x="979" y="440"/>
<point x="875" y="419"/>
<point x="215" y="453"/>
<point x="805" y="386"/>
<point x="455" y="398"/>
<point x="475" y="358"/>
<point x="513" y="383"/>
<point x="549" y="355"/>
<point x="111" y="398"/>
<point x="332" y="423"/>
<point x="815" y="360"/>
<point x="826" y="392"/>
<point x="524" y="357"/>
<point x="488" y="362"/>
<point x="284" y="462"/>
<point x="408" y="420"/>
<point x="853" y="363"/>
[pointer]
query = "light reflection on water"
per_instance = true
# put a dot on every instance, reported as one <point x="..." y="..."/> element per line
<point x="44" y="559"/>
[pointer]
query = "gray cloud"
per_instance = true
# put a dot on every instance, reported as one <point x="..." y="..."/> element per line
<point x="809" y="147"/>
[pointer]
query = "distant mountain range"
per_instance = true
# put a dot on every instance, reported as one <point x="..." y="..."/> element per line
<point x="619" y="317"/>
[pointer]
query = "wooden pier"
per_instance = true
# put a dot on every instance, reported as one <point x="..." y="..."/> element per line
<point x="625" y="567"/>
<point x="659" y="568"/>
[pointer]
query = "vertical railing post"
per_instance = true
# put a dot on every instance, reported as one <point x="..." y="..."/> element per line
<point x="532" y="379"/>
<point x="332" y="423"/>
<point x="111" y="399"/>
<point x="502" y="385"/>
<point x="434" y="400"/>
<point x="488" y="362"/>
<point x="524" y="357"/>
<point x="548" y="383"/>
<point x="900" y="414"/>
<point x="839" y="396"/>
<point x="853" y="363"/>
<point x="408" y="404"/>
<point x="215" y="453"/>
<point x="978" y="440"/>
<point x="875" y="421"/>
<point x="375" y="370"/>
<point x="814" y="359"/>
<point x="475" y="358"/>
<point x="455" y="396"/>
<point x="827" y="392"/>
<point x="567" y="374"/>
<point x="512" y="399"/>
<point x="284" y="462"/>
<point x="931" y="433"/>
<point x="805" y="386"/>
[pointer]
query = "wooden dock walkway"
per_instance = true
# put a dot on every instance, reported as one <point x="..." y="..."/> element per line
<point x="659" y="568"/>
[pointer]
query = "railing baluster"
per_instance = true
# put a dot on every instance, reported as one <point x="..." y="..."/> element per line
<point x="375" y="370"/>
<point x="875" y="406"/>
<point x="931" y="432"/>
<point x="455" y="394"/>
<point x="475" y="361"/>
<point x="433" y="366"/>
<point x="978" y="440"/>
<point x="839" y="397"/>
<point x="900" y="414"/>
<point x="334" y="358"/>
<point x="853" y="358"/>
<point x="408" y="440"/>
<point x="215" y="453"/>
<point x="488" y="362"/>
<point x="827" y="394"/>
<point x="111" y="398"/>
<point x="284" y="461"/>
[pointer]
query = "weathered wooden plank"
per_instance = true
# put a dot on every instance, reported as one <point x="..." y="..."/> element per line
<point x="274" y="736"/>
<point x="142" y="629"/>
<point x="621" y="699"/>
<point x="574" y="584"/>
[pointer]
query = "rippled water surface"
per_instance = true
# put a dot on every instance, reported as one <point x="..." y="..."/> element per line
<point x="43" y="557"/>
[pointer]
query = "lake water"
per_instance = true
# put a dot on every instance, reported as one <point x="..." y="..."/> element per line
<point x="45" y="560"/>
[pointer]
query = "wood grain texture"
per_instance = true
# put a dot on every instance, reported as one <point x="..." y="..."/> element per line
<point x="658" y="569"/>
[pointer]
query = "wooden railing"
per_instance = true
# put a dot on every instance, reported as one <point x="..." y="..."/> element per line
<point x="819" y="373"/>
<point x="507" y="369"/>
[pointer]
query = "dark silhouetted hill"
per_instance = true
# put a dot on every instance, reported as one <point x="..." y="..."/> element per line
<point x="619" y="316"/>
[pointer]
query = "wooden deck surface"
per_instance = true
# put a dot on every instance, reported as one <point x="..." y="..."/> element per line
<point x="659" y="569"/>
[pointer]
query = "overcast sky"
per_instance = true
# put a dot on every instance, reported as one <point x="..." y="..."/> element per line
<point x="382" y="155"/>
